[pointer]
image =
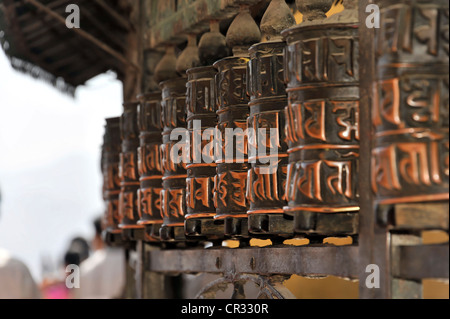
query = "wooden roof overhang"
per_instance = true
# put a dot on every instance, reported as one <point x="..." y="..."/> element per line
<point x="36" y="40"/>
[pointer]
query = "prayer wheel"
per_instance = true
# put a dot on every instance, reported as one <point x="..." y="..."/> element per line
<point x="232" y="111"/>
<point x="129" y="175"/>
<point x="410" y="155"/>
<point x="173" y="194"/>
<point x="322" y="120"/>
<point x="201" y="168"/>
<point x="267" y="142"/>
<point x="149" y="164"/>
<point x="111" y="234"/>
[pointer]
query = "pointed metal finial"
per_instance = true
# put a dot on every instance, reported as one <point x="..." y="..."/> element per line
<point x="243" y="32"/>
<point x="277" y="18"/>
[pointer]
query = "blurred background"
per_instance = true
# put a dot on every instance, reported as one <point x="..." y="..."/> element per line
<point x="50" y="177"/>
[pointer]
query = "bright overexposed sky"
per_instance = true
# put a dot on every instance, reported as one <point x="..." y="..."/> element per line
<point x="50" y="177"/>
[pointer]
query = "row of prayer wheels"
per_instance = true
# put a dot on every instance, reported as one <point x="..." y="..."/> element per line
<point x="265" y="143"/>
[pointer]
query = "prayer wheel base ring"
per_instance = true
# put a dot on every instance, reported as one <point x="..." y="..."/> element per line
<point x="152" y="232"/>
<point x="133" y="234"/>
<point x="113" y="239"/>
<point x="204" y="228"/>
<point x="269" y="225"/>
<point x="172" y="233"/>
<point x="325" y="224"/>
<point x="236" y="227"/>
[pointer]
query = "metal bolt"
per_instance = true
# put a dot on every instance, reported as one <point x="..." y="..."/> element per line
<point x="252" y="263"/>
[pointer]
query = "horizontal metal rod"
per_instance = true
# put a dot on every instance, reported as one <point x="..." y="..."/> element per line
<point x="340" y="261"/>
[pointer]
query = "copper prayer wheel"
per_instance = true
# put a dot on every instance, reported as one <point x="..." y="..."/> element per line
<point x="232" y="100"/>
<point x="267" y="142"/>
<point x="201" y="168"/>
<point x="322" y="121"/>
<point x="111" y="181"/>
<point x="149" y="164"/>
<point x="129" y="175"/>
<point x="267" y="175"/>
<point x="231" y="179"/>
<point x="410" y="157"/>
<point x="173" y="194"/>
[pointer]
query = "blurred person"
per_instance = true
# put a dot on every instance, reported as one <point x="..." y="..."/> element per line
<point x="16" y="281"/>
<point x="77" y="252"/>
<point x="80" y="249"/>
<point x="103" y="273"/>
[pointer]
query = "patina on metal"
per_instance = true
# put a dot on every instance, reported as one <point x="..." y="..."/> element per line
<point x="149" y="164"/>
<point x="322" y="117"/>
<point x="165" y="69"/>
<point x="189" y="57"/>
<point x="232" y="110"/>
<point x="212" y="45"/>
<point x="201" y="169"/>
<point x="173" y="194"/>
<point x="129" y="174"/>
<point x="174" y="147"/>
<point x="410" y="158"/>
<point x="409" y="154"/>
<point x="202" y="118"/>
<point x="267" y="176"/>
<point x="111" y="234"/>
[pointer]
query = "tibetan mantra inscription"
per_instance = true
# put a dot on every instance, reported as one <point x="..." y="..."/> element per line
<point x="149" y="163"/>
<point x="111" y="181"/>
<point x="322" y="127"/>
<point x="266" y="182"/>
<point x="173" y="194"/>
<point x="410" y="159"/>
<point x="128" y="204"/>
<point x="231" y="179"/>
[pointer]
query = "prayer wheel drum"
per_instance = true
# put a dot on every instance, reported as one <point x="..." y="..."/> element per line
<point x="149" y="164"/>
<point x="321" y="68"/>
<point x="232" y="161"/>
<point x="267" y="141"/>
<point x="111" y="234"/>
<point x="201" y="169"/>
<point x="410" y="156"/>
<point x="173" y="194"/>
<point x="129" y="175"/>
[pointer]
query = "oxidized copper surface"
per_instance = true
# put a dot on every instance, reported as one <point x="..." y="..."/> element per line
<point x="173" y="194"/>
<point x="322" y="126"/>
<point x="266" y="190"/>
<point x="128" y="169"/>
<point x="149" y="162"/>
<point x="111" y="181"/>
<point x="201" y="169"/>
<point x="231" y="179"/>
<point x="410" y="159"/>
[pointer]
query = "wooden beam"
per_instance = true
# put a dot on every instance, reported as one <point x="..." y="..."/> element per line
<point x="116" y="16"/>
<point x="105" y="32"/>
<point x="84" y="34"/>
<point x="52" y="5"/>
